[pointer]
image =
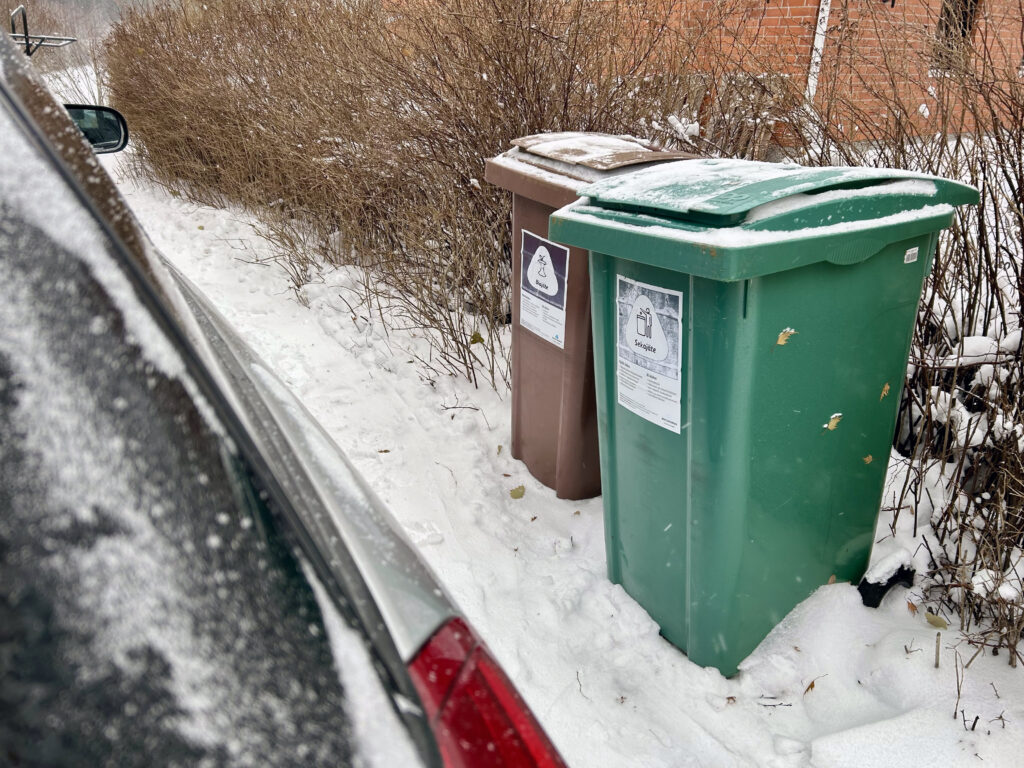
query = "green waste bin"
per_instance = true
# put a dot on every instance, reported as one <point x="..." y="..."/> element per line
<point x="752" y="323"/>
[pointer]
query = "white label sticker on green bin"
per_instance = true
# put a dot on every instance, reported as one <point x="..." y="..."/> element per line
<point x="648" y="373"/>
<point x="543" y="288"/>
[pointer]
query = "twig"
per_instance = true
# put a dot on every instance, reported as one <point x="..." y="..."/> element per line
<point x="454" y="479"/>
<point x="483" y="414"/>
<point x="580" y="684"/>
<point x="776" y="704"/>
<point x="980" y="649"/>
<point x="957" y="664"/>
<point x="1001" y="718"/>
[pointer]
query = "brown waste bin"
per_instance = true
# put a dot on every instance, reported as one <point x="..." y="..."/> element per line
<point x="554" y="415"/>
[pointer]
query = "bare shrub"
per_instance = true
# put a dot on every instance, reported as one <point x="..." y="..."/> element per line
<point x="359" y="130"/>
<point x="959" y="116"/>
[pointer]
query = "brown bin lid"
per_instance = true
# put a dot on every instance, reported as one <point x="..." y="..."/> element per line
<point x="598" y="151"/>
<point x="550" y="167"/>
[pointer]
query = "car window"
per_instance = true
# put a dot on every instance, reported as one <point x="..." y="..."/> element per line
<point x="150" y="610"/>
<point x="149" y="613"/>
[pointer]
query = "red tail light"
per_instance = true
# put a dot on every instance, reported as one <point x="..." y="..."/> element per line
<point x="479" y="719"/>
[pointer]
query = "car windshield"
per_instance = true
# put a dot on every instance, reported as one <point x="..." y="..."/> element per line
<point x="149" y="606"/>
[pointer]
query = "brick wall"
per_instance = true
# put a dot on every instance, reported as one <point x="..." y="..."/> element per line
<point x="884" y="60"/>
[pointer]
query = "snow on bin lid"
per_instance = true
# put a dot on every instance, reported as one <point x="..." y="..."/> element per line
<point x="599" y="151"/>
<point x="726" y="192"/>
<point x="734" y="219"/>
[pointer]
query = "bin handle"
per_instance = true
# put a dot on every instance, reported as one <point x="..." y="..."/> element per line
<point x="854" y="251"/>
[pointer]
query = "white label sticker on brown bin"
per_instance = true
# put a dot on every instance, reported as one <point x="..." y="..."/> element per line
<point x="542" y="288"/>
<point x="648" y="373"/>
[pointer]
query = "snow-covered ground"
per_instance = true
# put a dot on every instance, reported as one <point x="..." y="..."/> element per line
<point x="836" y="684"/>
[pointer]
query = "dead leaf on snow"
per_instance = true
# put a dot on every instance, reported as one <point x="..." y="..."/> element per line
<point x="810" y="686"/>
<point x="518" y="492"/>
<point x="384" y="450"/>
<point x="832" y="579"/>
<point x="912" y="608"/>
<point x="476" y="338"/>
<point x="936" y="621"/>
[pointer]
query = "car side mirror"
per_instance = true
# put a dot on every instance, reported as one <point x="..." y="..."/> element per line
<point x="105" y="128"/>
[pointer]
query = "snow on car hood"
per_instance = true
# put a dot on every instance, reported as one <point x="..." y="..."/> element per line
<point x="148" y="613"/>
<point x="30" y="192"/>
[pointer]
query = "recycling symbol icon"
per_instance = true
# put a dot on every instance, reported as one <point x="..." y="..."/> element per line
<point x="541" y="272"/>
<point x="644" y="333"/>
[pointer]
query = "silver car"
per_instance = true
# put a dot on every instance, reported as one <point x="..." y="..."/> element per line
<point x="191" y="572"/>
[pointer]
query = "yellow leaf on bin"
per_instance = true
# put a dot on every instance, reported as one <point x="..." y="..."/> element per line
<point x="833" y="422"/>
<point x="784" y="336"/>
<point x="885" y="391"/>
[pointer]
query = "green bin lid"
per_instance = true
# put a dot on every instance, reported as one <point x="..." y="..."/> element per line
<point x="736" y="219"/>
